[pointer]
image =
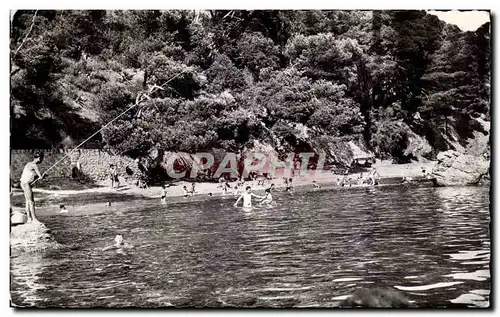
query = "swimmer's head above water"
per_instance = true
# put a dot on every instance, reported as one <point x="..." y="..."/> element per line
<point x="119" y="239"/>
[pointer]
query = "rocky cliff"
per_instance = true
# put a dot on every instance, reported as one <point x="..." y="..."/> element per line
<point x="457" y="169"/>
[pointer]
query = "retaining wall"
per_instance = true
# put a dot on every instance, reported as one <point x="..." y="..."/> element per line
<point x="94" y="164"/>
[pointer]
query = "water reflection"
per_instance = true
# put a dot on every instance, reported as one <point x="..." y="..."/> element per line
<point x="311" y="250"/>
<point x="27" y="285"/>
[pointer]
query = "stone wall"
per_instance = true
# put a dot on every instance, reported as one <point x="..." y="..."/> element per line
<point x="94" y="164"/>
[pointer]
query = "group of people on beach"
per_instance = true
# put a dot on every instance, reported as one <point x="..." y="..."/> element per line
<point x="370" y="180"/>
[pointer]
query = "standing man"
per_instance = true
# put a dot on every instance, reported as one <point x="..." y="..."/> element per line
<point x="30" y="174"/>
<point x="113" y="175"/>
<point x="75" y="164"/>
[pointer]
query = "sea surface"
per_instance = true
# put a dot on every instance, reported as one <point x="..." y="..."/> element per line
<point x="312" y="249"/>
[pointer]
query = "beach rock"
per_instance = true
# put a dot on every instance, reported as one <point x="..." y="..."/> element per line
<point x="376" y="298"/>
<point x="456" y="169"/>
<point x="31" y="237"/>
<point x="485" y="180"/>
<point x="418" y="147"/>
<point x="17" y="218"/>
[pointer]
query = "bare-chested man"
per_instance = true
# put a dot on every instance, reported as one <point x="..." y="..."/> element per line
<point x="30" y="174"/>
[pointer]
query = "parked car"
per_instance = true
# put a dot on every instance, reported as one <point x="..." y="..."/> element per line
<point x="361" y="164"/>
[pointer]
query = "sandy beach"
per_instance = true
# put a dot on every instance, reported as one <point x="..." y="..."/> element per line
<point x="384" y="168"/>
<point x="99" y="196"/>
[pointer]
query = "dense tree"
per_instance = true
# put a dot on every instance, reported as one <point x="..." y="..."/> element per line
<point x="221" y="79"/>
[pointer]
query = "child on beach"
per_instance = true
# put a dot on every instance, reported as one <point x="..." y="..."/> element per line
<point x="225" y="187"/>
<point x="236" y="190"/>
<point x="247" y="198"/>
<point x="164" y="194"/>
<point x="193" y="191"/>
<point x="374" y="177"/>
<point x="186" y="192"/>
<point x="288" y="184"/>
<point x="30" y="172"/>
<point x="360" y="179"/>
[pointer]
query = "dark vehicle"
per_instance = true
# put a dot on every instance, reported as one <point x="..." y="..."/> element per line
<point x="340" y="170"/>
<point x="361" y="164"/>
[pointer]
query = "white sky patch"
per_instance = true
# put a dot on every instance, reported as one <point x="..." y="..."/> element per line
<point x="465" y="20"/>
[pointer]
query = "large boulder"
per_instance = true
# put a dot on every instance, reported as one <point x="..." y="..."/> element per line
<point x="376" y="298"/>
<point x="456" y="169"/>
<point x="30" y="237"/>
<point x="17" y="218"/>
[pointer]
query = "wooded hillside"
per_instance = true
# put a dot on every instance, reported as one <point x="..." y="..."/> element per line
<point x="402" y="84"/>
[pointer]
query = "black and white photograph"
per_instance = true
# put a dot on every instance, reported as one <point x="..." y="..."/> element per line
<point x="250" y="158"/>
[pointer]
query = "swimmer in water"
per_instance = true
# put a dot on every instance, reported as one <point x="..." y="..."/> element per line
<point x="315" y="185"/>
<point x="260" y="180"/>
<point x="62" y="209"/>
<point x="247" y="198"/>
<point x="118" y="244"/>
<point x="268" y="198"/>
<point x="30" y="174"/>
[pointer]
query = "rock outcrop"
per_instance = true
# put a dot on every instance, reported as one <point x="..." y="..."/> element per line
<point x="31" y="237"/>
<point x="17" y="217"/>
<point x="456" y="169"/>
<point x="376" y="298"/>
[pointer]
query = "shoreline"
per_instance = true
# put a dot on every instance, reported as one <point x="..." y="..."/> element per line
<point x="386" y="171"/>
<point x="94" y="205"/>
<point x="390" y="175"/>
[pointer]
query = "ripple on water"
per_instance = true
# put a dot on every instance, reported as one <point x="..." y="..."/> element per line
<point x="472" y="299"/>
<point x="312" y="250"/>
<point x="470" y="255"/>
<point x="347" y="279"/>
<point x="427" y="287"/>
<point x="479" y="275"/>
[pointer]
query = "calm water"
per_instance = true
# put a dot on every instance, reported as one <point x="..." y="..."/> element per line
<point x="311" y="250"/>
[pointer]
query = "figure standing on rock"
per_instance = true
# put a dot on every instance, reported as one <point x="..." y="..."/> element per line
<point x="29" y="175"/>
